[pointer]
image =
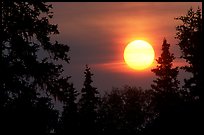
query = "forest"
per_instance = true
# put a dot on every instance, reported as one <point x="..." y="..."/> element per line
<point x="31" y="82"/>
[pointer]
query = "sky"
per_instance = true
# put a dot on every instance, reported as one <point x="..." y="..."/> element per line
<point x="98" y="32"/>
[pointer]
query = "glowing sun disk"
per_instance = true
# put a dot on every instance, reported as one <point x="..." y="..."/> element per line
<point x="139" y="55"/>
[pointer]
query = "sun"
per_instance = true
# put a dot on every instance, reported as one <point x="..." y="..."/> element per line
<point x="139" y="55"/>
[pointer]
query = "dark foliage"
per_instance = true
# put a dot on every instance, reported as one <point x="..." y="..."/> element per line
<point x="88" y="105"/>
<point x="28" y="70"/>
<point x="69" y="120"/>
<point x="167" y="75"/>
<point x="189" y="34"/>
<point x="30" y="78"/>
<point x="124" y="111"/>
<point x="166" y="98"/>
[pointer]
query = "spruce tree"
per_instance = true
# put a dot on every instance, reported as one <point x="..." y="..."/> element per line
<point x="29" y="71"/>
<point x="166" y="81"/>
<point x="69" y="119"/>
<point x="166" y="98"/>
<point x="88" y="104"/>
<point x="189" y="34"/>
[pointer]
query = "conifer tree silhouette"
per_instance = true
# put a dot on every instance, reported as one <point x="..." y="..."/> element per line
<point x="29" y="72"/>
<point x="166" y="75"/>
<point x="189" y="34"/>
<point x="88" y="104"/>
<point x="166" y="93"/>
<point x="69" y="119"/>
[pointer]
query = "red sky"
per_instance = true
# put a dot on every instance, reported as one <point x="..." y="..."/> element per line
<point x="97" y="33"/>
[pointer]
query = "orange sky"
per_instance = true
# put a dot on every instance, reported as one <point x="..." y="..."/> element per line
<point x="97" y="33"/>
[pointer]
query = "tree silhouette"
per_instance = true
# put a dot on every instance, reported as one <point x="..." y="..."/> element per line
<point x="166" y="84"/>
<point x="69" y="119"/>
<point x="189" y="34"/>
<point x="111" y="113"/>
<point x="88" y="104"/>
<point x="24" y="115"/>
<point x="46" y="114"/>
<point x="123" y="111"/>
<point x="134" y="109"/>
<point x="166" y="98"/>
<point x="28" y="64"/>
<point x="167" y="75"/>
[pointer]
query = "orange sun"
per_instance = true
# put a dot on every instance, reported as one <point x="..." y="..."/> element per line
<point x="139" y="55"/>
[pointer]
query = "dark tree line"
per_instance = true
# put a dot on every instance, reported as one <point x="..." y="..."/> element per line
<point x="31" y="79"/>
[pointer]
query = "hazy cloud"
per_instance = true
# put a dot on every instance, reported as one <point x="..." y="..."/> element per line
<point x="97" y="33"/>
